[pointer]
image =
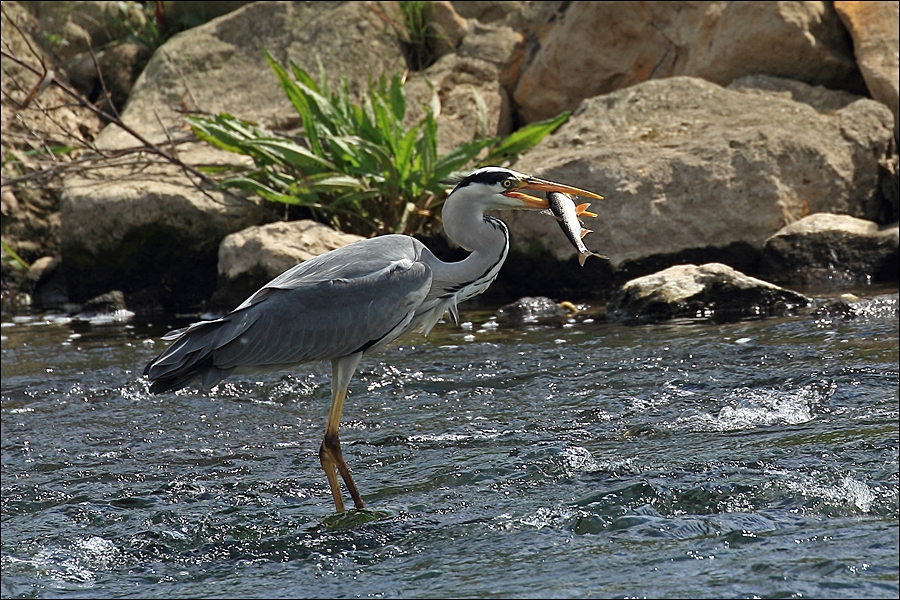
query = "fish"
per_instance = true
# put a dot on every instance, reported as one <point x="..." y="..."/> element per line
<point x="562" y="206"/>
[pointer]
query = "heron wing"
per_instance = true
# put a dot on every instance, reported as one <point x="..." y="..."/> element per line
<point x="353" y="299"/>
<point x="327" y="319"/>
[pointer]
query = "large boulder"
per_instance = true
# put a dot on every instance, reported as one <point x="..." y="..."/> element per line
<point x="148" y="235"/>
<point x="688" y="166"/>
<point x="825" y="251"/>
<point x="147" y="229"/>
<point x="710" y="291"/>
<point x="220" y="66"/>
<point x="620" y="44"/>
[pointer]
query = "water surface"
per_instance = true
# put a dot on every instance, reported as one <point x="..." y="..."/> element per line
<point x="563" y="458"/>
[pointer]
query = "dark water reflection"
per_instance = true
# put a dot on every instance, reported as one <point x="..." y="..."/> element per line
<point x="565" y="458"/>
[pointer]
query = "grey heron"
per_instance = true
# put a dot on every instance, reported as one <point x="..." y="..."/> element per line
<point x="355" y="300"/>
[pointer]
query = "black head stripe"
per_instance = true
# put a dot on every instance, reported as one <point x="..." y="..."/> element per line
<point x="485" y="175"/>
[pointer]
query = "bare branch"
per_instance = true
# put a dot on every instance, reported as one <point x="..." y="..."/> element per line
<point x="197" y="178"/>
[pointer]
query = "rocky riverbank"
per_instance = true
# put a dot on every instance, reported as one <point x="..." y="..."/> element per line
<point x="761" y="136"/>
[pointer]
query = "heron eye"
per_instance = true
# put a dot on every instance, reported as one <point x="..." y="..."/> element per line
<point x="507" y="183"/>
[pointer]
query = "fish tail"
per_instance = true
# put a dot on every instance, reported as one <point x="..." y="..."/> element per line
<point x="583" y="256"/>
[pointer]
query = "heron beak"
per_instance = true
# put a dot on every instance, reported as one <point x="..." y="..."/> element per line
<point x="533" y="183"/>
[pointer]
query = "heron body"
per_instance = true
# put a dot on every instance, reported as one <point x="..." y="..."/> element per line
<point x="354" y="300"/>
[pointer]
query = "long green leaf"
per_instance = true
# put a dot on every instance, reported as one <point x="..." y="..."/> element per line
<point x="264" y="191"/>
<point x="459" y="157"/>
<point x="525" y="138"/>
<point x="295" y="155"/>
<point x="398" y="98"/>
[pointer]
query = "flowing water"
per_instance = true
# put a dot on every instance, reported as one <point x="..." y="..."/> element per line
<point x="568" y="457"/>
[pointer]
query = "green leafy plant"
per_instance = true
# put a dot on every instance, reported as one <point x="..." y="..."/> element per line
<point x="356" y="165"/>
<point x="420" y="35"/>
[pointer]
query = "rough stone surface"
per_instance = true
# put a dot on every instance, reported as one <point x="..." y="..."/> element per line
<point x="875" y="29"/>
<point x="529" y="309"/>
<point x="220" y="66"/>
<point x="710" y="291"/>
<point x="717" y="41"/>
<point x="147" y="234"/>
<point x="274" y="248"/>
<point x="472" y="102"/>
<point x="824" y="100"/>
<point x="850" y="306"/>
<point x="828" y="252"/>
<point x="687" y="165"/>
<point x="451" y="27"/>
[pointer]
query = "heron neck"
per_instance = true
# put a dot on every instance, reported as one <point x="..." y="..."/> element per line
<point x="465" y="224"/>
<point x="485" y="237"/>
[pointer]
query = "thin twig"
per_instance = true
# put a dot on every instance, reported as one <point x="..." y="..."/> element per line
<point x="147" y="146"/>
<point x="106" y="93"/>
<point x="183" y="80"/>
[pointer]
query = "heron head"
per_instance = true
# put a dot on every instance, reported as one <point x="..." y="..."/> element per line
<point x="500" y="187"/>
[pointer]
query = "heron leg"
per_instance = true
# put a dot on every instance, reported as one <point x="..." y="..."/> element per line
<point x="330" y="454"/>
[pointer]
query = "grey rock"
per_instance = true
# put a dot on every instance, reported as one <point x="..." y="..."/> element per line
<point x="717" y="41"/>
<point x="824" y="100"/>
<point x="220" y="66"/>
<point x="146" y="232"/>
<point x="849" y="306"/>
<point x="712" y="291"/>
<point x="529" y="309"/>
<point x="686" y="165"/>
<point x="875" y="29"/>
<point x="472" y="103"/>
<point x="149" y="231"/>
<point x="110" y="303"/>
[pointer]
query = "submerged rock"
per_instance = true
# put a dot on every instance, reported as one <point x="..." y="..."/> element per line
<point x="529" y="309"/>
<point x="106" y="308"/>
<point x="710" y="291"/>
<point x="849" y="306"/>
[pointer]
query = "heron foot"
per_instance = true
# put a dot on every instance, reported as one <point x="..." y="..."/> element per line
<point x="332" y="460"/>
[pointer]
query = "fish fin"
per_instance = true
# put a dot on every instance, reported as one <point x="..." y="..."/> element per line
<point x="582" y="209"/>
<point x="583" y="257"/>
<point x="548" y="212"/>
<point x="584" y="232"/>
